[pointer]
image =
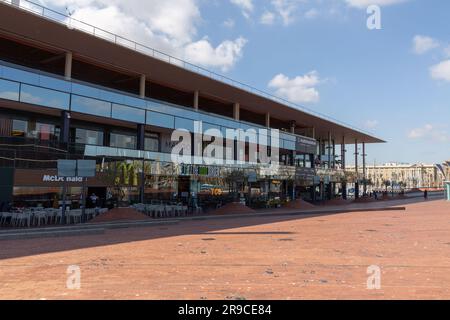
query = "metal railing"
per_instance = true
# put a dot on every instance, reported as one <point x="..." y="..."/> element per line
<point x="72" y="23"/>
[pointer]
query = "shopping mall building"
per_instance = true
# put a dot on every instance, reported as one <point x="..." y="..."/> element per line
<point x="69" y="90"/>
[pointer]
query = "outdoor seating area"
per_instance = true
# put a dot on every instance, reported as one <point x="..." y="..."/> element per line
<point x="38" y="217"/>
<point x="157" y="210"/>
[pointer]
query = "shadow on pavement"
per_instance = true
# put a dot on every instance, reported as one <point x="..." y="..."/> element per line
<point x="28" y="247"/>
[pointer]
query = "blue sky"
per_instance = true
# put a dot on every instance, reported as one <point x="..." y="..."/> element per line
<point x="393" y="82"/>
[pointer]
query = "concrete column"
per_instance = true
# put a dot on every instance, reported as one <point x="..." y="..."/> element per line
<point x="236" y="111"/>
<point x="334" y="154"/>
<point x="65" y="127"/>
<point x="268" y="120"/>
<point x="329" y="150"/>
<point x="141" y="146"/>
<point x="294" y="154"/>
<point x="293" y="126"/>
<point x="140" y="137"/>
<point x="142" y="86"/>
<point x="364" y="167"/>
<point x="68" y="66"/>
<point x="356" y="170"/>
<point x="343" y="151"/>
<point x="196" y="98"/>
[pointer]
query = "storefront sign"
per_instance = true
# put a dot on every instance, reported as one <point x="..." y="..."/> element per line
<point x="304" y="145"/>
<point x="50" y="178"/>
<point x="196" y="170"/>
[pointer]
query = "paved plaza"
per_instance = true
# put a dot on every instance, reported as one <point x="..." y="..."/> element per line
<point x="279" y="257"/>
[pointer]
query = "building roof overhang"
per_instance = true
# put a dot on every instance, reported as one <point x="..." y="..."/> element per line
<point x="32" y="28"/>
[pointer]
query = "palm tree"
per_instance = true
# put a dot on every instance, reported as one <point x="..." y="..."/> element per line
<point x="128" y="173"/>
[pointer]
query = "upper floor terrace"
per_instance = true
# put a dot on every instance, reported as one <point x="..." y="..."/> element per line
<point x="81" y="52"/>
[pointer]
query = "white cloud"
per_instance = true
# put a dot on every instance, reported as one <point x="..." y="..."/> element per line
<point x="229" y="23"/>
<point x="245" y="5"/>
<point x="423" y="44"/>
<point x="441" y="71"/>
<point x="300" y="89"/>
<point x="223" y="56"/>
<point x="311" y="13"/>
<point x="430" y="133"/>
<point x="447" y="51"/>
<point x="169" y="26"/>
<point x="371" y="124"/>
<point x="286" y="9"/>
<point x="363" y="4"/>
<point x="267" y="18"/>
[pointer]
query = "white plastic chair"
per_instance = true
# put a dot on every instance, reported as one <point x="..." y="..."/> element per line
<point x="39" y="216"/>
<point x="23" y="220"/>
<point x="160" y="211"/>
<point x="4" y="217"/>
<point x="75" y="216"/>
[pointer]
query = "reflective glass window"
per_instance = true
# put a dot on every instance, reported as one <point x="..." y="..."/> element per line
<point x="85" y="90"/>
<point x="152" y="142"/>
<point x="134" y="102"/>
<point x="160" y="120"/>
<point x="43" y="131"/>
<point x="9" y="90"/>
<point x="182" y="123"/>
<point x="118" y="140"/>
<point x="127" y="113"/>
<point x="89" y="137"/>
<point x="19" y="128"/>
<point x="91" y="106"/>
<point x="44" y="97"/>
<point x="20" y="75"/>
<point x="55" y="83"/>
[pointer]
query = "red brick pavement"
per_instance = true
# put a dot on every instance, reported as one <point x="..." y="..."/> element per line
<point x="310" y="257"/>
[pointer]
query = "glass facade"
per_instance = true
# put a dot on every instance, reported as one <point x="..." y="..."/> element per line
<point x="19" y="128"/>
<point x="31" y="86"/>
<point x="9" y="90"/>
<point x="303" y="160"/>
<point x="152" y="142"/>
<point x="44" y="97"/>
<point x="29" y="129"/>
<point x="126" y="141"/>
<point x="91" y="106"/>
<point x="90" y="137"/>
<point x="127" y="113"/>
<point x="148" y="173"/>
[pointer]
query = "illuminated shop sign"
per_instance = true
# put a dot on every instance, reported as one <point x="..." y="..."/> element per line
<point x="54" y="178"/>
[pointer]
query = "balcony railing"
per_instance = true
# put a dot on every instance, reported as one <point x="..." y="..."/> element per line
<point x="72" y="23"/>
<point x="18" y="83"/>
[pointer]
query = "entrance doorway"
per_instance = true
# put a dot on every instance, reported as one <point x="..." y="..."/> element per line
<point x="100" y="192"/>
<point x="184" y="188"/>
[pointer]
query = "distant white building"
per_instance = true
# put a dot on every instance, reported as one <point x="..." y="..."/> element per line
<point x="406" y="176"/>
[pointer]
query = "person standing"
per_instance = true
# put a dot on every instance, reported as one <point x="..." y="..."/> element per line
<point x="94" y="199"/>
